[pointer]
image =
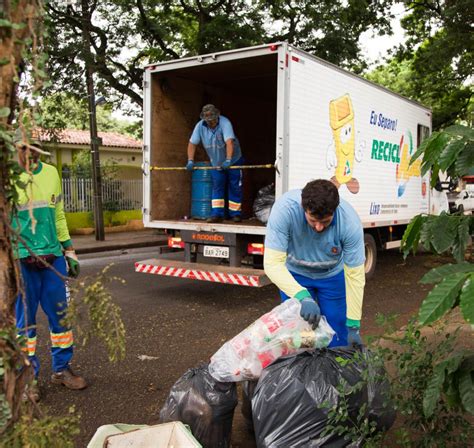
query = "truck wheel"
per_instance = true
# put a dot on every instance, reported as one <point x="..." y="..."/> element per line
<point x="370" y="255"/>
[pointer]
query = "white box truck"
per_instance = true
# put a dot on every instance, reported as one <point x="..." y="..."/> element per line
<point x="298" y="114"/>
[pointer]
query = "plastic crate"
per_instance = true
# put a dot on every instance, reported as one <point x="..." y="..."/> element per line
<point x="166" y="435"/>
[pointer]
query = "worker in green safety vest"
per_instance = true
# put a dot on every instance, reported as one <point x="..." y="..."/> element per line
<point x="44" y="249"/>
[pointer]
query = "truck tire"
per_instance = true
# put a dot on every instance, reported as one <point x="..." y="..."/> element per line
<point x="370" y="255"/>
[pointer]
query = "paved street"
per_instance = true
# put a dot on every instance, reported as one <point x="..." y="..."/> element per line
<point x="179" y="323"/>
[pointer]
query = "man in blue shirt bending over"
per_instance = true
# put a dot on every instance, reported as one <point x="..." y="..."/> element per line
<point x="216" y="135"/>
<point x="314" y="251"/>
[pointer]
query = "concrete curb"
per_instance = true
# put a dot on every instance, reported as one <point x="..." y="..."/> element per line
<point x="118" y="246"/>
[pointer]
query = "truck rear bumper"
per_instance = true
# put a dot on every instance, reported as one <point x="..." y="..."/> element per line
<point x="204" y="272"/>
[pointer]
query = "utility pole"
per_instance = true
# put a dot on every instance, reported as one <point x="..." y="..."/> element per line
<point x="95" y="140"/>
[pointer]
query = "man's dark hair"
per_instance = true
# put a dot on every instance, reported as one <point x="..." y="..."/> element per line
<point x="320" y="198"/>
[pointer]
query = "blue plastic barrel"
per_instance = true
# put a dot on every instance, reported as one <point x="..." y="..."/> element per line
<point x="201" y="192"/>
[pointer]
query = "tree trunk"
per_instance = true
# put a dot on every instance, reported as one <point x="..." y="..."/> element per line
<point x="11" y="47"/>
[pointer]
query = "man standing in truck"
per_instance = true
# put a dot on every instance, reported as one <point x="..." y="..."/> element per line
<point x="46" y="255"/>
<point x="314" y="252"/>
<point x="216" y="134"/>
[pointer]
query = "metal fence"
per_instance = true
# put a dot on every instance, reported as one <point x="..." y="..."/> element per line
<point x="116" y="194"/>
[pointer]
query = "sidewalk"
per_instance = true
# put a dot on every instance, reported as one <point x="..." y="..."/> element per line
<point x="86" y="244"/>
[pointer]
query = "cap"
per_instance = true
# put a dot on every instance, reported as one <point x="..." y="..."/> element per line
<point x="210" y="112"/>
<point x="34" y="144"/>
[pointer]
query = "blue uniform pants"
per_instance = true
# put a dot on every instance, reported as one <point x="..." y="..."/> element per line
<point x="331" y="296"/>
<point x="44" y="287"/>
<point x="232" y="180"/>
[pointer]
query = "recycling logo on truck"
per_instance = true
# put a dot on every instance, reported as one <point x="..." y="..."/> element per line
<point x="399" y="153"/>
<point x="404" y="170"/>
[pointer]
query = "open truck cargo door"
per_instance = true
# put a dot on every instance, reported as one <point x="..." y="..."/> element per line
<point x="244" y="85"/>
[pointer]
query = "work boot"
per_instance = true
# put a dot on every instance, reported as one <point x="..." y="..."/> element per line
<point x="214" y="219"/>
<point x="69" y="379"/>
<point x="237" y="218"/>
<point x="32" y="392"/>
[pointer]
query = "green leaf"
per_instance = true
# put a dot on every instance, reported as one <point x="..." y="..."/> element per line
<point x="466" y="383"/>
<point x="432" y="393"/>
<point x="18" y="26"/>
<point x="452" y="364"/>
<point x="461" y="239"/>
<point x="435" y="383"/>
<point x="411" y="235"/>
<point x="434" y="148"/>
<point x="444" y="232"/>
<point x="467" y="299"/>
<point x="441" y="298"/>
<point x="7" y="136"/>
<point x="434" y="176"/>
<point x="41" y="73"/>
<point x="465" y="160"/>
<point x="437" y="274"/>
<point x="426" y="232"/>
<point x="8" y="24"/>
<point x="458" y="129"/>
<point x="4" y="112"/>
<point x="450" y="153"/>
<point x="424" y="145"/>
<point x="451" y="390"/>
<point x="5" y="23"/>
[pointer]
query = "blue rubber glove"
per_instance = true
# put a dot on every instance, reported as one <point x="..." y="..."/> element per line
<point x="353" y="337"/>
<point x="226" y="164"/>
<point x="190" y="165"/>
<point x="310" y="312"/>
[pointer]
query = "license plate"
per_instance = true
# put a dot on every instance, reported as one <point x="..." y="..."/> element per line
<point x="216" y="251"/>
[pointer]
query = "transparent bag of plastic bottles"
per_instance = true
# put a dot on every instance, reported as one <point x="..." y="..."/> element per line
<point x="280" y="332"/>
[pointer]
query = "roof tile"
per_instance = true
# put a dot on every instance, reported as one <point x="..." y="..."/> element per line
<point x="77" y="137"/>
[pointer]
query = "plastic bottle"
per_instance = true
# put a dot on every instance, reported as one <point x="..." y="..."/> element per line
<point x="267" y="357"/>
<point x="240" y="344"/>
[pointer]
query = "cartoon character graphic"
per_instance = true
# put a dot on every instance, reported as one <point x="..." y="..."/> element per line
<point x="404" y="170"/>
<point x="342" y="151"/>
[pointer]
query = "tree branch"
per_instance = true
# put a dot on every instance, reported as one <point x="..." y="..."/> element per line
<point x="152" y="28"/>
<point x="100" y="67"/>
<point x="426" y="5"/>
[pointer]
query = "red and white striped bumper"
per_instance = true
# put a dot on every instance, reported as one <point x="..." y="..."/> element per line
<point x="209" y="273"/>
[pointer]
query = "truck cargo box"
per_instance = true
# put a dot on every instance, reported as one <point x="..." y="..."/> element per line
<point x="300" y="115"/>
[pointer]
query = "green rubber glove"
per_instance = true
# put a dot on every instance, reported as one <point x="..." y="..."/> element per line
<point x="73" y="263"/>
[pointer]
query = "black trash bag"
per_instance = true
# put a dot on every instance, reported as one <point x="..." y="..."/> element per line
<point x="380" y="408"/>
<point x="263" y="203"/>
<point x="294" y="395"/>
<point x="203" y="403"/>
<point x="248" y="390"/>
